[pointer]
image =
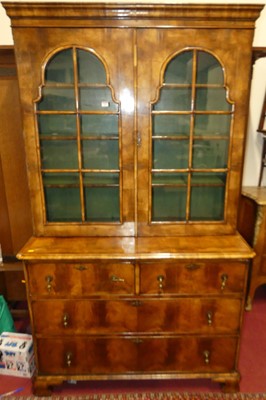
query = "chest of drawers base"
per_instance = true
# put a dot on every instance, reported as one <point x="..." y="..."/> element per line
<point x="136" y="315"/>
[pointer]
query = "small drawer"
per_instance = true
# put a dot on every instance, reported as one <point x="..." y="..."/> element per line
<point x="134" y="354"/>
<point x="80" y="279"/>
<point x="193" y="277"/>
<point x="68" y="317"/>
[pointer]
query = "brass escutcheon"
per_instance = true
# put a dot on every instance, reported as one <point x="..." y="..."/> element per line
<point x="115" y="278"/>
<point x="192" y="266"/>
<point x="81" y="268"/>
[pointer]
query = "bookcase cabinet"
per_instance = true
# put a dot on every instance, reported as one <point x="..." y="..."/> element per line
<point x="134" y="127"/>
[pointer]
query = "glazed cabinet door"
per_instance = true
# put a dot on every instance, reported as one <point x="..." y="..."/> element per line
<point x="191" y="130"/>
<point x="79" y="117"/>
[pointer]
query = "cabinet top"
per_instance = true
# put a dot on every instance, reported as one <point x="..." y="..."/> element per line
<point x="132" y="15"/>
<point x="130" y="248"/>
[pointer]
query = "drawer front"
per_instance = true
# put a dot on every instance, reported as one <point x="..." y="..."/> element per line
<point x="192" y="277"/>
<point x="184" y="315"/>
<point x="135" y="354"/>
<point x="80" y="279"/>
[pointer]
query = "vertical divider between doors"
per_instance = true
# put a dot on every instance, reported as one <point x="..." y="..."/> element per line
<point x="136" y="132"/>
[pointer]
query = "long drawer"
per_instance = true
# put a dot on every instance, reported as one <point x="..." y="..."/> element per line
<point x="81" y="355"/>
<point x="180" y="315"/>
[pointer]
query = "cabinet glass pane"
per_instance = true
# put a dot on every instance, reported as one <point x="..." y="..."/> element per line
<point x="171" y="125"/>
<point x="57" y="125"/>
<point x="99" y="125"/>
<point x="212" y="99"/>
<point x="59" y="154"/>
<point x="62" y="204"/>
<point x="210" y="153"/>
<point x="179" y="70"/>
<point x="209" y="70"/>
<point x="60" y="68"/>
<point x="170" y="154"/>
<point x="169" y="203"/>
<point x="212" y="125"/>
<point x="207" y="196"/>
<point x="207" y="204"/>
<point x="57" y="99"/>
<point x="100" y="154"/>
<point x="90" y="68"/>
<point x="101" y="178"/>
<point x="61" y="179"/>
<point x="169" y="178"/>
<point x="102" y="204"/>
<point x="97" y="99"/>
<point x="174" y="99"/>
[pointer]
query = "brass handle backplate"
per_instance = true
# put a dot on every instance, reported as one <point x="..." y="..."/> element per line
<point x="206" y="355"/>
<point x="65" y="320"/>
<point x="69" y="358"/>
<point x="48" y="280"/>
<point x="209" y="317"/>
<point x="160" y="279"/>
<point x="224" y="279"/>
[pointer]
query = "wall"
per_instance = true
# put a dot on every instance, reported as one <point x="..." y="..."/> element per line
<point x="258" y="85"/>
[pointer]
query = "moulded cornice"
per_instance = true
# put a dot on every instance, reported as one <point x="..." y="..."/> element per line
<point x="122" y="14"/>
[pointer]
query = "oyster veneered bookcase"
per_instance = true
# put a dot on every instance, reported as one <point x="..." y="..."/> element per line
<point x="134" y="127"/>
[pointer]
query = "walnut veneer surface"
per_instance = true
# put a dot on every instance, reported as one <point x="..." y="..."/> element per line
<point x="146" y="278"/>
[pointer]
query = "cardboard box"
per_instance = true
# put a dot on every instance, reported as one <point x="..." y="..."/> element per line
<point x="16" y="354"/>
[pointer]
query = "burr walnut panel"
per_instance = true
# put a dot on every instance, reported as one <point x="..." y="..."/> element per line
<point x="80" y="279"/>
<point x="193" y="277"/>
<point x="133" y="355"/>
<point x="90" y="317"/>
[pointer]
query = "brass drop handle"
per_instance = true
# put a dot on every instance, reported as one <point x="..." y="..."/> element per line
<point x="68" y="359"/>
<point x="48" y="280"/>
<point x="224" y="279"/>
<point x="115" y="278"/>
<point x="65" y="320"/>
<point x="160" y="279"/>
<point x="209" y="317"/>
<point x="206" y="355"/>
